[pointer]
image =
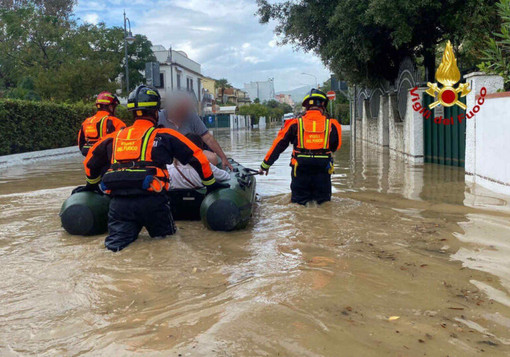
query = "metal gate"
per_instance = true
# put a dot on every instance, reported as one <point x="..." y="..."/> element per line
<point x="216" y="121"/>
<point x="445" y="144"/>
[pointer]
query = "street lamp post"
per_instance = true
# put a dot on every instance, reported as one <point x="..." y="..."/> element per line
<point x="128" y="39"/>
<point x="316" y="81"/>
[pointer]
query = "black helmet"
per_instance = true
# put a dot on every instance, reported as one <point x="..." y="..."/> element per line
<point x="144" y="98"/>
<point x="316" y="98"/>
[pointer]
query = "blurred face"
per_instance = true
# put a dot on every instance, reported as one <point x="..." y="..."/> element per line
<point x="180" y="109"/>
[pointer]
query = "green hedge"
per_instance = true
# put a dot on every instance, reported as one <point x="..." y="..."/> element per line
<point x="342" y="113"/>
<point x="31" y="126"/>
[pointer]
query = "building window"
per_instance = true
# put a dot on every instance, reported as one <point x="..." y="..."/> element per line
<point x="178" y="81"/>
<point x="161" y="80"/>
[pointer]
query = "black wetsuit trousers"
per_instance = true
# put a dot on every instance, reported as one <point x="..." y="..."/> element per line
<point x="310" y="184"/>
<point x="129" y="214"/>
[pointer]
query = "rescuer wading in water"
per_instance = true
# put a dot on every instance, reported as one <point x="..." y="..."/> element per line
<point x="315" y="136"/>
<point x="101" y="124"/>
<point x="136" y="177"/>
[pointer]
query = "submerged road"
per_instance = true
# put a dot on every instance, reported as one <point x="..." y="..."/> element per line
<point x="405" y="261"/>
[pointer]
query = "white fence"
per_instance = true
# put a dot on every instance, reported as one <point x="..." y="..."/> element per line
<point x="239" y="121"/>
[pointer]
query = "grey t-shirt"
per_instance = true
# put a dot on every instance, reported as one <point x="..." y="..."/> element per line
<point x="192" y="125"/>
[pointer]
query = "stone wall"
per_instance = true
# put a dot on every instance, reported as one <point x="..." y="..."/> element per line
<point x="487" y="138"/>
<point x="403" y="137"/>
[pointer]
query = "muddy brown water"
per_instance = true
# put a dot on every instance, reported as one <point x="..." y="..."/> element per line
<point x="405" y="261"/>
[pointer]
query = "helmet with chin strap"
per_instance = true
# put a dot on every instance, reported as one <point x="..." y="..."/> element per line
<point x="144" y="98"/>
<point x="104" y="99"/>
<point x="316" y="98"/>
<point x="144" y="101"/>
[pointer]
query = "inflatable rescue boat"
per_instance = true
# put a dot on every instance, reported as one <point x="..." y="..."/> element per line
<point x="228" y="209"/>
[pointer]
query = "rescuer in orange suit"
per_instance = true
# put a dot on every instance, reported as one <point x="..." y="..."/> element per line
<point x="315" y="137"/>
<point x="101" y="124"/>
<point x="134" y="160"/>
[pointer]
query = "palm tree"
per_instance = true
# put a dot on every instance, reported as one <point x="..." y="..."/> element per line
<point x="222" y="84"/>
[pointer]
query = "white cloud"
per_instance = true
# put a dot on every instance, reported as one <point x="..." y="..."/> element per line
<point x="225" y="37"/>
<point x="252" y="59"/>
<point x="91" y="18"/>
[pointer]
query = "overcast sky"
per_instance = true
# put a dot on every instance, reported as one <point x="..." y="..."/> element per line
<point x="224" y="36"/>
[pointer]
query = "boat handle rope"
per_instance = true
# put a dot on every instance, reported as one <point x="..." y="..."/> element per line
<point x="253" y="172"/>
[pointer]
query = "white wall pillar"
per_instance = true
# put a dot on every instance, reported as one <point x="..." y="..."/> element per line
<point x="413" y="130"/>
<point x="476" y="80"/>
<point x="383" y="121"/>
<point x="364" y="119"/>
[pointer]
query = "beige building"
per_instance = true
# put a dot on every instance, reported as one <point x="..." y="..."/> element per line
<point x="285" y="99"/>
<point x="208" y="94"/>
<point x="212" y="95"/>
<point x="243" y="98"/>
<point x="209" y="85"/>
<point x="234" y="96"/>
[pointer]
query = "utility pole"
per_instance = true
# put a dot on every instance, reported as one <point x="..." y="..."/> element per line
<point x="316" y="81"/>
<point x="128" y="39"/>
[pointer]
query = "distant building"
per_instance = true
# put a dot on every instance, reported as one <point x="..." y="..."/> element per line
<point x="243" y="98"/>
<point x="178" y="72"/>
<point x="234" y="96"/>
<point x="285" y="99"/>
<point x="208" y="94"/>
<point x="264" y="91"/>
<point x="209" y="85"/>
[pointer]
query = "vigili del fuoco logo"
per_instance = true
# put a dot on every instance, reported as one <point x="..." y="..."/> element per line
<point x="448" y="75"/>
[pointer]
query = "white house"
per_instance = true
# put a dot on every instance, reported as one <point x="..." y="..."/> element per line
<point x="178" y="72"/>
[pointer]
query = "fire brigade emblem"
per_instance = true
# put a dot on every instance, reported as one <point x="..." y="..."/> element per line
<point x="448" y="75"/>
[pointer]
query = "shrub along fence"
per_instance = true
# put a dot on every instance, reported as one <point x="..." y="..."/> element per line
<point x="30" y="126"/>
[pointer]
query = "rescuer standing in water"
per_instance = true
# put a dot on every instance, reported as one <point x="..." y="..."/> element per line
<point x="101" y="124"/>
<point x="135" y="159"/>
<point x="315" y="137"/>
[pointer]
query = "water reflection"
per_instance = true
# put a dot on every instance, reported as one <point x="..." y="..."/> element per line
<point x="396" y="241"/>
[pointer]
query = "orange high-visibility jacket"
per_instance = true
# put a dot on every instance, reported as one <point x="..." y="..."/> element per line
<point x="134" y="159"/>
<point x="313" y="133"/>
<point x="96" y="127"/>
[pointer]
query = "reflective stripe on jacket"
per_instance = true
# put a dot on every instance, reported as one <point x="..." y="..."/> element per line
<point x="313" y="142"/>
<point x="95" y="128"/>
<point x="134" y="160"/>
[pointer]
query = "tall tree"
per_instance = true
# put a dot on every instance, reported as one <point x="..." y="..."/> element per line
<point x="496" y="58"/>
<point x="64" y="61"/>
<point x="49" y="7"/>
<point x="222" y="84"/>
<point x="365" y="41"/>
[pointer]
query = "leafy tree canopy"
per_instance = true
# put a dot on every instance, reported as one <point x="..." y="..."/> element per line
<point x="364" y="41"/>
<point x="65" y="61"/>
<point x="496" y="58"/>
<point x="222" y="83"/>
<point x="271" y="108"/>
<point x="48" y="7"/>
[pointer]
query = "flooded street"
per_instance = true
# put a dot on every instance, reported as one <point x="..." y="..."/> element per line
<point x="405" y="261"/>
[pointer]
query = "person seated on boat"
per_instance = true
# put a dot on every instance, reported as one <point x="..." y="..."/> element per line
<point x="179" y="113"/>
<point x="131" y="166"/>
<point x="185" y="177"/>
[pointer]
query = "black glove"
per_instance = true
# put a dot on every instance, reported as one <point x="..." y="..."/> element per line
<point x="87" y="188"/>
<point x="216" y="186"/>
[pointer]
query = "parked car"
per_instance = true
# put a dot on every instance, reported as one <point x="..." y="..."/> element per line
<point x="288" y="116"/>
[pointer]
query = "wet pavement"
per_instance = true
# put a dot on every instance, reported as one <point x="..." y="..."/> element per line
<point x="405" y="261"/>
